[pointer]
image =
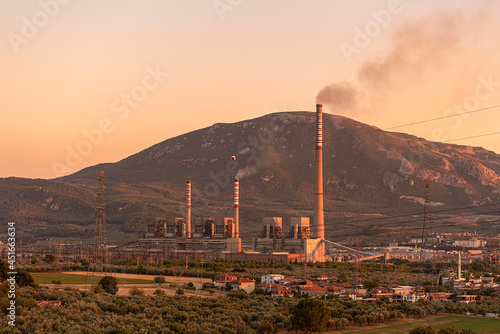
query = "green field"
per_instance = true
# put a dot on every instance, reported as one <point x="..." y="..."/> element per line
<point x="47" y="278"/>
<point x="478" y="324"/>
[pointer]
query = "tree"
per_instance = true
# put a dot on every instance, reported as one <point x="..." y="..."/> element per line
<point x="177" y="328"/>
<point x="370" y="284"/>
<point x="310" y="315"/>
<point x="159" y="280"/>
<point x="109" y="284"/>
<point x="23" y="278"/>
<point x="179" y="291"/>
<point x="136" y="292"/>
<point x="159" y="292"/>
<point x="423" y="330"/>
<point x="265" y="327"/>
<point x="49" y="258"/>
<point x="448" y="330"/>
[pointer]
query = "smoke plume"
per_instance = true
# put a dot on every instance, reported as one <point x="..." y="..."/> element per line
<point x="430" y="64"/>
<point x="265" y="160"/>
<point x="342" y="95"/>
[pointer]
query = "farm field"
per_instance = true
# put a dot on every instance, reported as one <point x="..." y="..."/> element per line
<point x="65" y="278"/>
<point x="478" y="324"/>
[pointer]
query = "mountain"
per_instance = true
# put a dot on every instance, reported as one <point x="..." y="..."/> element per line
<point x="366" y="170"/>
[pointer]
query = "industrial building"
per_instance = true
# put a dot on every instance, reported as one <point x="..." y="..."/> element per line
<point x="209" y="238"/>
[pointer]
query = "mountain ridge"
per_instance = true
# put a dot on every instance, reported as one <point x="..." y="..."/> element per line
<point x="366" y="170"/>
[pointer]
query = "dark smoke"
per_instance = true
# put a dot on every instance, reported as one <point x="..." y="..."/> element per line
<point x="421" y="53"/>
<point x="342" y="95"/>
<point x="417" y="48"/>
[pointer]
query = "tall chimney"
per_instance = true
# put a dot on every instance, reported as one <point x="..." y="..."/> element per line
<point x="319" y="218"/>
<point x="459" y="266"/>
<point x="236" y="208"/>
<point x="188" y="207"/>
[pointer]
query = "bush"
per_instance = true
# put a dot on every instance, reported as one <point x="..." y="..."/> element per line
<point x="423" y="330"/>
<point x="136" y="292"/>
<point x="159" y="292"/>
<point x="159" y="280"/>
<point x="109" y="284"/>
<point x="179" y="291"/>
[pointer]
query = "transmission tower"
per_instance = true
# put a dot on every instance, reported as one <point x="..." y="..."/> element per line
<point x="427" y="226"/>
<point x="99" y="251"/>
<point x="356" y="265"/>
<point x="427" y="216"/>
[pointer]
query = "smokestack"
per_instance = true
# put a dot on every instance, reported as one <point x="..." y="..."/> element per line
<point x="459" y="266"/>
<point x="319" y="218"/>
<point x="188" y="207"/>
<point x="236" y="208"/>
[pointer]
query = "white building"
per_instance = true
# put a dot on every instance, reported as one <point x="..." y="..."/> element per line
<point x="474" y="243"/>
<point x="271" y="278"/>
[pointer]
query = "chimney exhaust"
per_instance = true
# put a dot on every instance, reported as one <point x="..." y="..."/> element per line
<point x="319" y="218"/>
<point x="236" y="208"/>
<point x="188" y="207"/>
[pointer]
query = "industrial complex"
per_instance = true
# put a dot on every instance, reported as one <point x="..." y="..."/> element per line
<point x="204" y="238"/>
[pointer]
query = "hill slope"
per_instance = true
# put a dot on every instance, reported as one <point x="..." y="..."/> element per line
<point x="366" y="170"/>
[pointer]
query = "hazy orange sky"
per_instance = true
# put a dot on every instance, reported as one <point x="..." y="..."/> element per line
<point x="107" y="79"/>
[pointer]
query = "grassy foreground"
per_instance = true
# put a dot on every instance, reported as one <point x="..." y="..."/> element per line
<point x="478" y="324"/>
<point x="47" y="278"/>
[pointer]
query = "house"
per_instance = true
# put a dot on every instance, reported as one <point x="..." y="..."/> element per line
<point x="333" y="288"/>
<point x="298" y="284"/>
<point x="466" y="298"/>
<point x="352" y="295"/>
<point x="487" y="279"/>
<point x="271" y="278"/>
<point x="244" y="284"/>
<point x="327" y="278"/>
<point x="401" y="289"/>
<point x="224" y="278"/>
<point x="460" y="285"/>
<point x="220" y="281"/>
<point x="313" y="291"/>
<point x="266" y="287"/>
<point x="280" y="291"/>
<point x="437" y="296"/>
<point x="411" y="297"/>
<point x="380" y="292"/>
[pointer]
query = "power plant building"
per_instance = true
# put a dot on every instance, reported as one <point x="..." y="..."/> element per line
<point x="209" y="238"/>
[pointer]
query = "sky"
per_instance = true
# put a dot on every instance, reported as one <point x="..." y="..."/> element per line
<point x="88" y="82"/>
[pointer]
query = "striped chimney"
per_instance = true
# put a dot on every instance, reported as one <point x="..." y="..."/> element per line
<point x="236" y="208"/>
<point x="319" y="218"/>
<point x="188" y="207"/>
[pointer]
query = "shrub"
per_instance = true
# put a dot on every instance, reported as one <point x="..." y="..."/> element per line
<point x="109" y="284"/>
<point x="136" y="292"/>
